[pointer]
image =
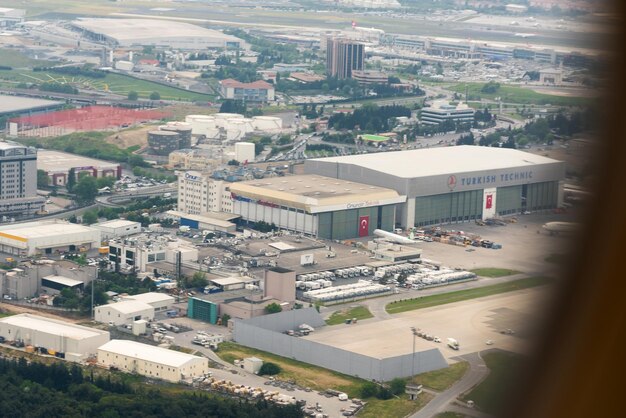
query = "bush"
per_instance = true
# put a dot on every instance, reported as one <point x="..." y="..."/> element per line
<point x="397" y="386"/>
<point x="368" y="390"/>
<point x="269" y="369"/>
<point x="155" y="95"/>
<point x="384" y="393"/>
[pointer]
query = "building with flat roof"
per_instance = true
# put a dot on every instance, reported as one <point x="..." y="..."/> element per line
<point x="11" y="17"/>
<point x="199" y="193"/>
<point x="18" y="180"/>
<point x="305" y="77"/>
<point x="454" y="184"/>
<point x="441" y="111"/>
<point x="344" y="56"/>
<point x="154" y="362"/>
<point x="58" y="165"/>
<point x="46" y="237"/>
<point x="154" y="32"/>
<point x="117" y="228"/>
<point x="137" y="252"/>
<point x="124" y="312"/>
<point x="370" y="77"/>
<point x="257" y="91"/>
<point x="316" y="205"/>
<point x="18" y="105"/>
<point x="69" y="341"/>
<point x="159" y="301"/>
<point x="208" y="221"/>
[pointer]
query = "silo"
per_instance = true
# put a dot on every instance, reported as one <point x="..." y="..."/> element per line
<point x="163" y="142"/>
<point x="221" y="119"/>
<point x="200" y="124"/>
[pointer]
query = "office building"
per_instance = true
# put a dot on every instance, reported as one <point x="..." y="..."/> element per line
<point x="343" y="56"/>
<point x="257" y="91"/>
<point x="199" y="193"/>
<point x="441" y="111"/>
<point x="18" y="180"/>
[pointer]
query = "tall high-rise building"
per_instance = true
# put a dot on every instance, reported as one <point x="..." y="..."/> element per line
<point x="18" y="180"/>
<point x="343" y="56"/>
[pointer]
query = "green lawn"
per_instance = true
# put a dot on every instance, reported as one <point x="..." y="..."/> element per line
<point x="115" y="83"/>
<point x="442" y="379"/>
<point x="304" y="374"/>
<point x="460" y="295"/>
<point x="358" y="312"/>
<point x="395" y="407"/>
<point x="491" y="394"/>
<point x="494" y="272"/>
<point x="514" y="94"/>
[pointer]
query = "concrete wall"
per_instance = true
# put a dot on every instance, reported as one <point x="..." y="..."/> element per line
<point x="265" y="333"/>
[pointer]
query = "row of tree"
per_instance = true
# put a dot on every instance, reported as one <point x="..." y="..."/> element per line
<point x="369" y="117"/>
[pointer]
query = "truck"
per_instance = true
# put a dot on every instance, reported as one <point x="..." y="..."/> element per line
<point x="453" y="344"/>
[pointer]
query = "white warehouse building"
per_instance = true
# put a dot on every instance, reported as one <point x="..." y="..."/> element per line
<point x="45" y="237"/>
<point x="151" y="361"/>
<point x="159" y="301"/>
<point x="117" y="228"/>
<point x="74" y="342"/>
<point x="124" y="312"/>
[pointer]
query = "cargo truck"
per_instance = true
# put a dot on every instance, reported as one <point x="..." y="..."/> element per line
<point x="453" y="344"/>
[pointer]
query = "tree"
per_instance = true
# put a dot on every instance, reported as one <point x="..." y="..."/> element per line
<point x="42" y="179"/>
<point x="384" y="393"/>
<point x="490" y="87"/>
<point x="198" y="280"/>
<point x="233" y="106"/>
<point x="273" y="308"/>
<point x="86" y="190"/>
<point x="368" y="390"/>
<point x="155" y="95"/>
<point x="105" y="182"/>
<point x="71" y="180"/>
<point x="133" y="95"/>
<point x="225" y="319"/>
<point x="269" y="369"/>
<point x="90" y="217"/>
<point x="397" y="386"/>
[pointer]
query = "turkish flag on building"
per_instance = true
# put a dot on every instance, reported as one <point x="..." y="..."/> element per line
<point x="489" y="202"/>
<point x="364" y="226"/>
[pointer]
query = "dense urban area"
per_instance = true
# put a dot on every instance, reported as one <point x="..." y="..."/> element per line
<point x="287" y="208"/>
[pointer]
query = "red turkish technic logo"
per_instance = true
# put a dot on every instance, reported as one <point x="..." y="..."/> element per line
<point x="452" y="182"/>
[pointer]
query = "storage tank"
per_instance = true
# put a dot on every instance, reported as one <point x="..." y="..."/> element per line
<point x="222" y="118"/>
<point x="267" y="123"/>
<point x="163" y="142"/>
<point x="183" y="129"/>
<point x="244" y="151"/>
<point x="200" y="124"/>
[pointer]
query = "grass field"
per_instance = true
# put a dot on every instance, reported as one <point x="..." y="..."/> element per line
<point x="358" y="312"/>
<point x="514" y="94"/>
<point x="491" y="394"/>
<point x="395" y="407"/>
<point x="305" y="375"/>
<point x="494" y="272"/>
<point x="114" y="83"/>
<point x="444" y="378"/>
<point x="16" y="59"/>
<point x="460" y="295"/>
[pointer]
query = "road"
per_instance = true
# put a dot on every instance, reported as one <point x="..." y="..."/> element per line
<point x="476" y="373"/>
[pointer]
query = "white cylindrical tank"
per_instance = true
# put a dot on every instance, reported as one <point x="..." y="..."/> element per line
<point x="222" y="118"/>
<point x="267" y="123"/>
<point x="200" y="124"/>
<point x="244" y="151"/>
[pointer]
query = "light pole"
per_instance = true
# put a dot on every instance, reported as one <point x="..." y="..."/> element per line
<point x="414" y="331"/>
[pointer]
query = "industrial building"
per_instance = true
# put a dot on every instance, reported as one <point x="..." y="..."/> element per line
<point x="58" y="166"/>
<point x="117" y="228"/>
<point x="137" y="252"/>
<point x="46" y="237"/>
<point x="170" y="137"/>
<point x="159" y="301"/>
<point x="453" y="184"/>
<point x="244" y="152"/>
<point x="17" y="105"/>
<point x="156" y="33"/>
<point x="18" y="180"/>
<point x="11" y="17"/>
<point x="343" y="56"/>
<point x="154" y="362"/>
<point x="316" y="205"/>
<point x="66" y="340"/>
<point x="257" y="91"/>
<point x="370" y="77"/>
<point x="31" y="278"/>
<point x="208" y="221"/>
<point x="124" y="312"/>
<point x="441" y="111"/>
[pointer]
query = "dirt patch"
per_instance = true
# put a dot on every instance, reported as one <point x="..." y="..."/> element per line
<point x="17" y="309"/>
<point x="131" y="137"/>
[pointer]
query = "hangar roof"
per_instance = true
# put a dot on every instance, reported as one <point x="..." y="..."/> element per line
<point x="441" y="160"/>
<point x="52" y="326"/>
<point x="148" y="353"/>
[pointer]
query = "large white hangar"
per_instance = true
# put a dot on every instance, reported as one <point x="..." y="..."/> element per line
<point x="153" y="32"/>
<point x="66" y="340"/>
<point x="454" y="184"/>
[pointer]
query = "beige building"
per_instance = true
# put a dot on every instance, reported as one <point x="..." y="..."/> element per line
<point x="199" y="194"/>
<point x="151" y="361"/>
<point x="124" y="312"/>
<point x="280" y="283"/>
<point x="194" y="159"/>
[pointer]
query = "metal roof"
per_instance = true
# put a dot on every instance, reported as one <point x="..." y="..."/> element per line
<point x="32" y="230"/>
<point x="441" y="161"/>
<point x="65" y="281"/>
<point x="52" y="326"/>
<point x="128" y="306"/>
<point x="16" y="104"/>
<point x="148" y="353"/>
<point x="150" y="297"/>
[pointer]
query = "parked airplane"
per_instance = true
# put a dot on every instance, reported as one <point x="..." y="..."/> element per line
<point x="561" y="227"/>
